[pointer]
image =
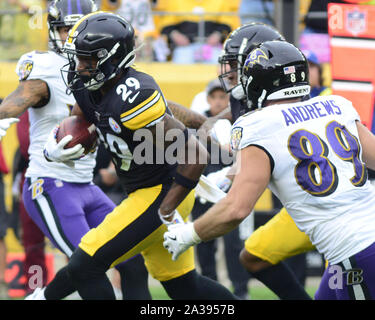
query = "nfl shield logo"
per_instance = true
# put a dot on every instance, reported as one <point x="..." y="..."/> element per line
<point x="356" y="21"/>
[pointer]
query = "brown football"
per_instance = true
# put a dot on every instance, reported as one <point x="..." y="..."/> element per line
<point x="83" y="132"/>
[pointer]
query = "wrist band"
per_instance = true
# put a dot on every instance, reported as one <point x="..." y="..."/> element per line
<point x="185" y="182"/>
<point x="166" y="216"/>
<point x="194" y="235"/>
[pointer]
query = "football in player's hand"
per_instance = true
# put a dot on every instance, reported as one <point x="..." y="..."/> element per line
<point x="83" y="132"/>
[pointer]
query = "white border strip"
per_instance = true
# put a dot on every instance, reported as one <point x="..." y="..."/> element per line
<point x="352" y="43"/>
<point x="357" y="289"/>
<point x="352" y="86"/>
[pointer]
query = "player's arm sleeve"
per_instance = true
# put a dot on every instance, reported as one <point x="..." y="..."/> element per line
<point x="147" y="109"/>
<point x="35" y="66"/>
<point x="246" y="133"/>
<point x="243" y="134"/>
<point x="348" y="108"/>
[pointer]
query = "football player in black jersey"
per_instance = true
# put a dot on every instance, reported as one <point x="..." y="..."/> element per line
<point x="127" y="105"/>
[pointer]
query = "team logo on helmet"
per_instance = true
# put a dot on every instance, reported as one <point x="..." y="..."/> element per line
<point x="254" y="57"/>
<point x="235" y="138"/>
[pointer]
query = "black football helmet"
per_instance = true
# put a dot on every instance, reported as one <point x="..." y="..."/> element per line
<point x="106" y="37"/>
<point x="274" y="70"/>
<point x="236" y="48"/>
<point x="64" y="13"/>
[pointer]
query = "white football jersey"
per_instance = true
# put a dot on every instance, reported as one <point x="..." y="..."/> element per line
<point x="317" y="171"/>
<point x="46" y="66"/>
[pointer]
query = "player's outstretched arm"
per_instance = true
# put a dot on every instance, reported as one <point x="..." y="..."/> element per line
<point x="251" y="179"/>
<point x="254" y="171"/>
<point x="29" y="93"/>
<point x="367" y="139"/>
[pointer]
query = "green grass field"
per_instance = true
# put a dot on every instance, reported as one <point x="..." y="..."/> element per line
<point x="256" y="293"/>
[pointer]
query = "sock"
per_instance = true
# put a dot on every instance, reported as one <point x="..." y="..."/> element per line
<point x="89" y="277"/>
<point x="134" y="279"/>
<point x="193" y="286"/>
<point x="60" y="287"/>
<point x="280" y="279"/>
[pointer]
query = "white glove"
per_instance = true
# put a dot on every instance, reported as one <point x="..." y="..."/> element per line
<point x="5" y="124"/>
<point x="176" y="218"/>
<point x="179" y="238"/>
<point x="220" y="179"/>
<point x="208" y="191"/>
<point x="221" y="132"/>
<point x="54" y="151"/>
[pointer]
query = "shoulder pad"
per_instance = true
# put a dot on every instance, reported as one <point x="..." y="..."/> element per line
<point x="36" y="65"/>
<point x="145" y="108"/>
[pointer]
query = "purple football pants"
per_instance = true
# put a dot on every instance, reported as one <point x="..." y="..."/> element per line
<point x="65" y="211"/>
<point x="351" y="279"/>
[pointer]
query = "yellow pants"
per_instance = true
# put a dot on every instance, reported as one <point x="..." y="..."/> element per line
<point x="134" y="227"/>
<point x="278" y="239"/>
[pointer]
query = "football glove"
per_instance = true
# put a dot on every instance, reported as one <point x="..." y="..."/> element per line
<point x="220" y="179"/>
<point x="179" y="238"/>
<point x="5" y="124"/>
<point x="54" y="151"/>
<point x="221" y="132"/>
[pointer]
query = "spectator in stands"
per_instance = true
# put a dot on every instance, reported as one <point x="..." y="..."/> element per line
<point x="199" y="103"/>
<point x="197" y="37"/>
<point x="316" y="75"/>
<point x="315" y="34"/>
<point x="139" y="14"/>
<point x="218" y="100"/>
<point x="257" y="11"/>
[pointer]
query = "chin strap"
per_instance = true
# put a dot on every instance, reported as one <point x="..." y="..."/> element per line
<point x="238" y="93"/>
<point x="261" y="98"/>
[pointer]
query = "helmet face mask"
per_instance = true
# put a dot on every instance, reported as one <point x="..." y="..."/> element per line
<point x="108" y="41"/>
<point x="275" y="70"/>
<point x="236" y="48"/>
<point x="65" y="13"/>
<point x="229" y="71"/>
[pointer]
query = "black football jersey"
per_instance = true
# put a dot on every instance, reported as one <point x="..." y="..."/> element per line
<point x="135" y="102"/>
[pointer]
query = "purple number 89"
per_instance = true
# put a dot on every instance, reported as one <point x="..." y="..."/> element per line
<point x="314" y="172"/>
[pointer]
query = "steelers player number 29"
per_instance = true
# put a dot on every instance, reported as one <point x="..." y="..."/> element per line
<point x="119" y="147"/>
<point x="314" y="172"/>
<point x="125" y="92"/>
